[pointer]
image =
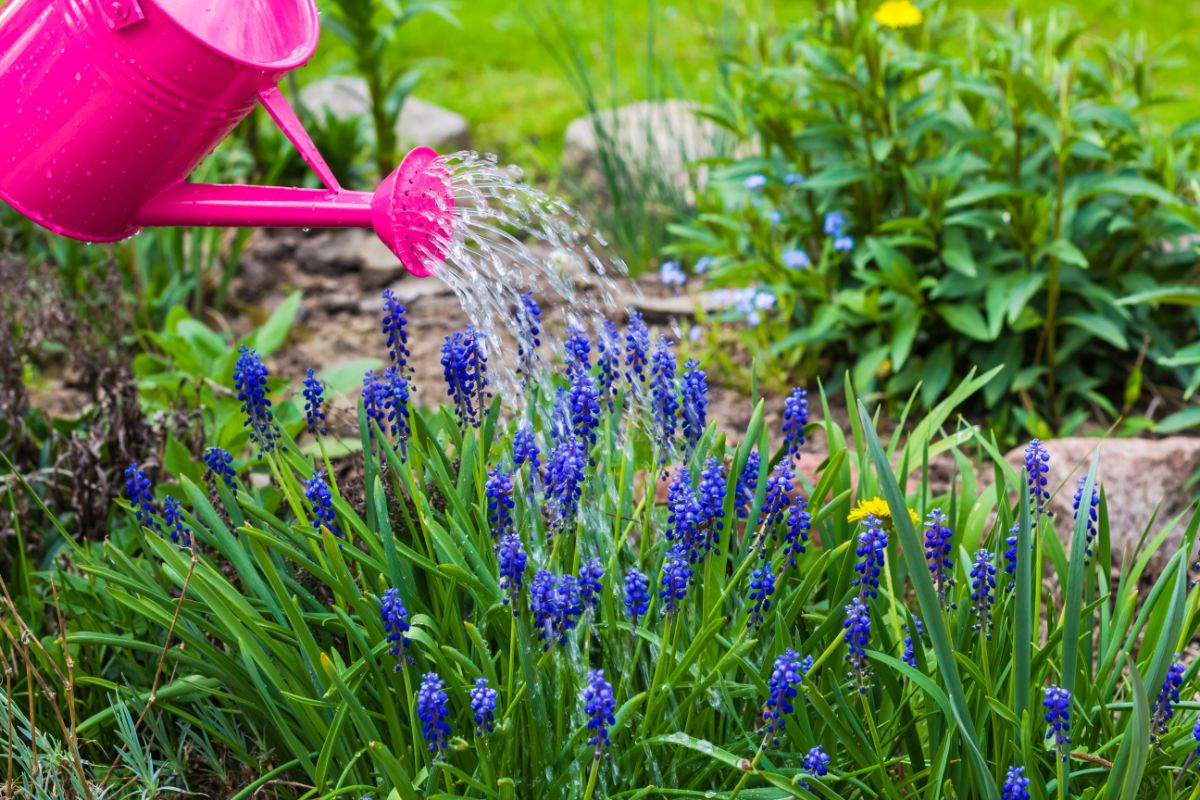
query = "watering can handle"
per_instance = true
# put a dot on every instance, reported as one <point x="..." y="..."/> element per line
<point x="281" y="111"/>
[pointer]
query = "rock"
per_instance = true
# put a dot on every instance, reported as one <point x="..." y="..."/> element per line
<point x="420" y="122"/>
<point x="331" y="252"/>
<point x="663" y="309"/>
<point x="375" y="257"/>
<point x="1137" y="474"/>
<point x="423" y="123"/>
<point x="662" y="137"/>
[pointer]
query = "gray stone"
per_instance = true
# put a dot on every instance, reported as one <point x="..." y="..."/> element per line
<point x="420" y="122"/>
<point x="375" y="256"/>
<point x="1137" y="474"/>
<point x="662" y="137"/>
<point x="332" y="251"/>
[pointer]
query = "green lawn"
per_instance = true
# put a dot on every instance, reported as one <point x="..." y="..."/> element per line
<point x="496" y="71"/>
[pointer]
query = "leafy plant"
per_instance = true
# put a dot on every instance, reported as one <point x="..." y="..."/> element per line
<point x="957" y="194"/>
<point x="350" y="624"/>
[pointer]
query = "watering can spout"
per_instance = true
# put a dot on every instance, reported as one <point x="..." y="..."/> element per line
<point x="411" y="211"/>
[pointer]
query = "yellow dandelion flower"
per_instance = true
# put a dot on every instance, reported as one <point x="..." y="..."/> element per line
<point x="876" y="507"/>
<point x="898" y="14"/>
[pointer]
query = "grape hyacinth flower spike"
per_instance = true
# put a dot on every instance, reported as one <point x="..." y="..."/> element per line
<point x="483" y="706"/>
<point x="637" y="348"/>
<point x="911" y="642"/>
<point x="816" y="764"/>
<point x="665" y="399"/>
<point x="857" y="634"/>
<point x="464" y="366"/>
<point x="710" y="494"/>
<point x="219" y="465"/>
<point x="498" y="490"/>
<point x="937" y="553"/>
<point x="395" y="328"/>
<point x="1016" y="785"/>
<point x="564" y="482"/>
<point x="577" y="351"/>
<point x="432" y="709"/>
<point x="1164" y="705"/>
<point x="983" y="586"/>
<point x="316" y="491"/>
<point x="512" y="558"/>
<point x="395" y="624"/>
<point x="795" y="417"/>
<point x="600" y="707"/>
<point x="591" y="572"/>
<point x="676" y="578"/>
<point x="1037" y="465"/>
<point x="525" y="450"/>
<point x="172" y="515"/>
<point x="1092" y="512"/>
<point x="1010" y="555"/>
<point x="137" y="491"/>
<point x="637" y="597"/>
<point x="1057" y="702"/>
<point x="694" y="395"/>
<point x="314" y="403"/>
<point x="608" y="361"/>
<point x="747" y="484"/>
<point x="872" y="547"/>
<point x="250" y="381"/>
<point x="762" y="586"/>
<point x="584" y="400"/>
<point x="782" y="687"/>
<point x="529" y="320"/>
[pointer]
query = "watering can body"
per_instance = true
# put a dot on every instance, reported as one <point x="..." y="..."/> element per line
<point x="106" y="106"/>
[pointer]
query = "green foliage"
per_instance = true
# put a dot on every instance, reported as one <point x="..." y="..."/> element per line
<point x="273" y="624"/>
<point x="1010" y="203"/>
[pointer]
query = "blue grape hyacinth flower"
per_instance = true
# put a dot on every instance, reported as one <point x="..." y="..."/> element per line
<point x="816" y="764"/>
<point x="600" y="707"/>
<point x="795" y="417"/>
<point x="747" y="484"/>
<point x="710" y="494"/>
<point x="591" y="572"/>
<point x="664" y="394"/>
<point x="564" y="481"/>
<point x="250" y="381"/>
<point x="464" y="366"/>
<point x="795" y="532"/>
<point x="608" y="361"/>
<point x="394" y="616"/>
<point x="1037" y="465"/>
<point x="782" y="687"/>
<point x="483" y="706"/>
<point x="395" y="327"/>
<point x="219" y="465"/>
<point x="777" y="494"/>
<point x="1164" y="705"/>
<point x="637" y="348"/>
<point x="510" y="553"/>
<point x="577" y="350"/>
<point x="983" y="587"/>
<point x="529" y="324"/>
<point x="911" y="641"/>
<point x="1092" y="512"/>
<point x="172" y="515"/>
<point x="856" y="635"/>
<point x="498" y="490"/>
<point x="525" y="450"/>
<point x="762" y="586"/>
<point x="1016" y="785"/>
<point x="937" y="553"/>
<point x="694" y="395"/>
<point x="676" y="578"/>
<point x="1057" y="702"/>
<point x="314" y="404"/>
<point x="871" y="550"/>
<point x="1010" y="555"/>
<point x="140" y="496"/>
<point x="637" y="595"/>
<point x="432" y="708"/>
<point x="685" y="517"/>
<point x="316" y="491"/>
<point x="584" y="400"/>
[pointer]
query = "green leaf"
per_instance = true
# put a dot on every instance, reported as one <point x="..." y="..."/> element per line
<point x="965" y="319"/>
<point x="957" y="253"/>
<point x="1099" y="326"/>
<point x="1170" y="295"/>
<point x="1179" y="421"/>
<point x="271" y="336"/>
<point x="1066" y="252"/>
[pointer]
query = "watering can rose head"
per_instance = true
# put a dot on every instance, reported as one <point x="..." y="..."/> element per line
<point x="121" y="101"/>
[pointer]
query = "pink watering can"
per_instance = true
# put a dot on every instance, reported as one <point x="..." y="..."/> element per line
<point x="106" y="106"/>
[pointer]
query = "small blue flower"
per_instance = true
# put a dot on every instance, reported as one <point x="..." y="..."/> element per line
<point x="755" y="181"/>
<point x="777" y="495"/>
<point x="529" y="320"/>
<point x="316" y="491"/>
<point x="525" y="450"/>
<point x="795" y="533"/>
<point x="703" y="264"/>
<point x="172" y="514"/>
<point x="1010" y="554"/>
<point x="983" y="585"/>
<point x="637" y="346"/>
<point x="695" y="402"/>
<point x="375" y="401"/>
<point x="464" y="366"/>
<point x="432" y="709"/>
<point x="835" y="222"/>
<point x="816" y="763"/>
<point x="1057" y="703"/>
<point x="637" y="596"/>
<point x="591" y="572"/>
<point x="314" y="400"/>
<point x="872" y="547"/>
<point x="395" y="622"/>
<point x="576" y="352"/>
<point x="140" y="496"/>
<point x="600" y="707"/>
<point x="685" y="517"/>
<point x="676" y="578"/>
<point x="219" y="466"/>
<point x="511" y="555"/>
<point x="395" y="328"/>
<point x="584" y="400"/>
<point x="796" y="259"/>
<point x="776" y="216"/>
<point x="1196" y="735"/>
<point x="793" y="179"/>
<point x="608" y="361"/>
<point x="564" y="481"/>
<point x="1093" y="513"/>
<point x="747" y="484"/>
<point x="1037" y="465"/>
<point x="910" y="655"/>
<point x="710" y="494"/>
<point x="795" y="417"/>
<point x="1016" y="785"/>
<point x="498" y="490"/>
<point x="762" y="586"/>
<point x="392" y="394"/>
<point x="1164" y="706"/>
<point x="857" y="635"/>
<point x="671" y="274"/>
<point x="665" y="393"/>
<point x="556" y="604"/>
<point x="786" y="675"/>
<point x="250" y="381"/>
<point x="483" y="706"/>
<point x="843" y="244"/>
<point x="937" y="553"/>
